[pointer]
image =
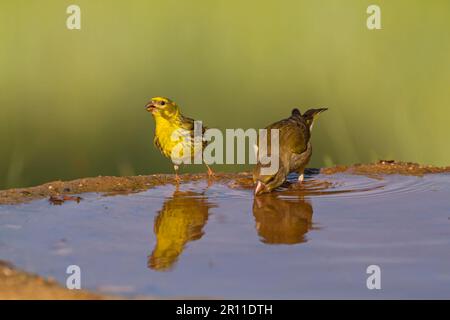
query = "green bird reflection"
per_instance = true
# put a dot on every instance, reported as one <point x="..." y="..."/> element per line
<point x="282" y="221"/>
<point x="180" y="221"/>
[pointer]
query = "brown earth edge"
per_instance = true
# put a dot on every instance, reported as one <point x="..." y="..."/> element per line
<point x="17" y="284"/>
<point x="59" y="191"/>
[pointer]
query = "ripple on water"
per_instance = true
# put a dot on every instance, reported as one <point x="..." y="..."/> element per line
<point x="355" y="186"/>
<point x="316" y="185"/>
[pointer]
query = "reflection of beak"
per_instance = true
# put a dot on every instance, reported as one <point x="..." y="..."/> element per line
<point x="259" y="188"/>
<point x="150" y="107"/>
<point x="259" y="202"/>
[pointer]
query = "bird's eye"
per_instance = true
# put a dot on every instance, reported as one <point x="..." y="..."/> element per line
<point x="163" y="103"/>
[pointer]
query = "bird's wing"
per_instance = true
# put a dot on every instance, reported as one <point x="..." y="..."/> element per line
<point x="293" y="134"/>
<point x="187" y="123"/>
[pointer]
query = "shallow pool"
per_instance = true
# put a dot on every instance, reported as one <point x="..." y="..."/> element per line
<point x="210" y="240"/>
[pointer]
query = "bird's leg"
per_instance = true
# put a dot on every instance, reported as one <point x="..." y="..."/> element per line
<point x="177" y="177"/>
<point x="210" y="172"/>
<point x="301" y="177"/>
<point x="210" y="175"/>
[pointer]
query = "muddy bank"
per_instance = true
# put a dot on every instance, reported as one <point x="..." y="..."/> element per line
<point x="107" y="185"/>
<point x="19" y="285"/>
<point x="57" y="190"/>
<point x="387" y="167"/>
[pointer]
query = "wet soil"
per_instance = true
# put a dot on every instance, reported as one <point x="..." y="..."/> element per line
<point x="56" y="190"/>
<point x="19" y="285"/>
<point x="387" y="167"/>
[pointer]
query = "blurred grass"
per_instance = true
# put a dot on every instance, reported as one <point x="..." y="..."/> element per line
<point x="71" y="102"/>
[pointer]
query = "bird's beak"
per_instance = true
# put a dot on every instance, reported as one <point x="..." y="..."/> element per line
<point x="259" y="188"/>
<point x="150" y="107"/>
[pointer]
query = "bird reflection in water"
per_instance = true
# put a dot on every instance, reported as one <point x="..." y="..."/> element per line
<point x="282" y="221"/>
<point x="180" y="220"/>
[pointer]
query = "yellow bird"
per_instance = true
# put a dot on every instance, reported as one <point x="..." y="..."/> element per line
<point x="174" y="133"/>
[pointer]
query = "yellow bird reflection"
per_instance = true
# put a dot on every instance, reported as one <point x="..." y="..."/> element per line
<point x="282" y="221"/>
<point x="180" y="220"/>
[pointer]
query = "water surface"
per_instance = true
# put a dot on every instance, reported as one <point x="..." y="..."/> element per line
<point x="309" y="241"/>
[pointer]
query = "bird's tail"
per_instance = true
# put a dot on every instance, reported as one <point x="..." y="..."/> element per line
<point x="311" y="115"/>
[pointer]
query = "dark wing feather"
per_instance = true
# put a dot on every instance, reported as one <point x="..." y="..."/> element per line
<point x="294" y="134"/>
<point x="188" y="124"/>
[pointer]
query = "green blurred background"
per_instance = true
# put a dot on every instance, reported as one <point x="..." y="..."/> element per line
<point x="72" y="102"/>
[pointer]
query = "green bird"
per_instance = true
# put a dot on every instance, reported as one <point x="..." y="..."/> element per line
<point x="295" y="149"/>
